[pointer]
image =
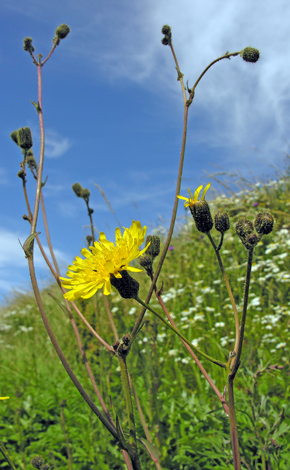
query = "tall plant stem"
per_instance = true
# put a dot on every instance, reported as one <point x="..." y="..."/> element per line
<point x="237" y="327"/>
<point x="41" y="157"/>
<point x="244" y="315"/>
<point x="133" y="452"/>
<point x="233" y="423"/>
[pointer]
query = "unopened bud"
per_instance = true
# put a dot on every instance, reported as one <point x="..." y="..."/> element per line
<point x="30" y="160"/>
<point x="77" y="189"/>
<point x="37" y="462"/>
<point x="166" y="30"/>
<point x="201" y="213"/>
<point x="21" y="174"/>
<point x="89" y="239"/>
<point x="86" y="194"/>
<point x="264" y="223"/>
<point x="62" y="31"/>
<point x="251" y="241"/>
<point x="154" y="248"/>
<point x="27" y="45"/>
<point x="14" y="137"/>
<point x="25" y="138"/>
<point x="126" y="286"/>
<point x="249" y="54"/>
<point x="221" y="222"/>
<point x="244" y="227"/>
<point x="146" y="263"/>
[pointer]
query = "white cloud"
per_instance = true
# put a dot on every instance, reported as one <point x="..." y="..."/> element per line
<point x="55" y="145"/>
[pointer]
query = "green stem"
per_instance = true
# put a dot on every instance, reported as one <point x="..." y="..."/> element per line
<point x="133" y="452"/>
<point x="244" y="315"/>
<point x="211" y="359"/>
<point x="233" y="423"/>
<point x="228" y="289"/>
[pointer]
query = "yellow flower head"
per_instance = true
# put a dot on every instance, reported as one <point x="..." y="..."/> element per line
<point x="189" y="202"/>
<point x="103" y="261"/>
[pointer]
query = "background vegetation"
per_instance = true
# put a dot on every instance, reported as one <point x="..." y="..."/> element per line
<point x="46" y="415"/>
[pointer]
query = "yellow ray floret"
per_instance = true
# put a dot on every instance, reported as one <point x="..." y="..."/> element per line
<point x="102" y="261"/>
<point x="189" y="202"/>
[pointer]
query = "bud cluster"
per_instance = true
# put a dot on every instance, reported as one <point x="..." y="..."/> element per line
<point x="166" y="30"/>
<point x="81" y="192"/>
<point x="263" y="224"/>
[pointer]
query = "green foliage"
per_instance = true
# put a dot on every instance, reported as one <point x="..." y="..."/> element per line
<point x="184" y="417"/>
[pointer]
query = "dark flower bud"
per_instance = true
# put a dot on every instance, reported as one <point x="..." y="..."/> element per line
<point x="25" y="138"/>
<point x="30" y="160"/>
<point x="89" y="239"/>
<point x="77" y="189"/>
<point x="154" y="248"/>
<point x="91" y="211"/>
<point x="251" y="241"/>
<point x="201" y="213"/>
<point x="221" y="222"/>
<point x="244" y="227"/>
<point x="249" y="54"/>
<point x="21" y="174"/>
<point x="37" y="462"/>
<point x="14" y="137"/>
<point x="146" y="263"/>
<point x="27" y="45"/>
<point x="62" y="31"/>
<point x="166" y="30"/>
<point x="126" y="339"/>
<point x="126" y="286"/>
<point x="264" y="223"/>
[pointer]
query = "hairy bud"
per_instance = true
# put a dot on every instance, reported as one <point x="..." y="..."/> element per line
<point x="244" y="227"/>
<point x="25" y="138"/>
<point x="221" y="222"/>
<point x="154" y="248"/>
<point x="37" y="462"/>
<point x="264" y="223"/>
<point x="249" y="54"/>
<point x="146" y="263"/>
<point x="201" y="213"/>
<point x="14" y="137"/>
<point x="85" y="194"/>
<point x="251" y="241"/>
<point x="27" y="45"/>
<point x="166" y="30"/>
<point x="62" y="31"/>
<point x="77" y="189"/>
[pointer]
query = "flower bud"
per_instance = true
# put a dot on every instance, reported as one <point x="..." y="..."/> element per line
<point x="146" y="263"/>
<point x="37" y="462"/>
<point x="89" y="239"/>
<point x="264" y="223"/>
<point x="201" y="213"/>
<point x="62" y="31"/>
<point x="249" y="54"/>
<point x="85" y="193"/>
<point x="30" y="160"/>
<point x="14" y="137"/>
<point x="126" y="286"/>
<point x="221" y="222"/>
<point x="25" y="138"/>
<point x="21" y="174"/>
<point x="77" y="189"/>
<point x="244" y="227"/>
<point x="251" y="241"/>
<point x="154" y="248"/>
<point x="166" y="30"/>
<point x="27" y="45"/>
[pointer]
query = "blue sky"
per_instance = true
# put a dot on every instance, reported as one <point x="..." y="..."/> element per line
<point x="113" y="110"/>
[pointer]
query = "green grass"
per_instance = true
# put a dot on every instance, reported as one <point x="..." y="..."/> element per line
<point x="183" y="415"/>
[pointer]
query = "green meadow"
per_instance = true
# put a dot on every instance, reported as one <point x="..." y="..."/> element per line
<point x="46" y="415"/>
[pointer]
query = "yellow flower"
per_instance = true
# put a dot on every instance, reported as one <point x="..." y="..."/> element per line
<point x="194" y="198"/>
<point x="103" y="261"/>
<point x="4" y="398"/>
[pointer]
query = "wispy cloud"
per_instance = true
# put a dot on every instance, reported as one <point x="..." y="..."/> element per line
<point x="55" y="145"/>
